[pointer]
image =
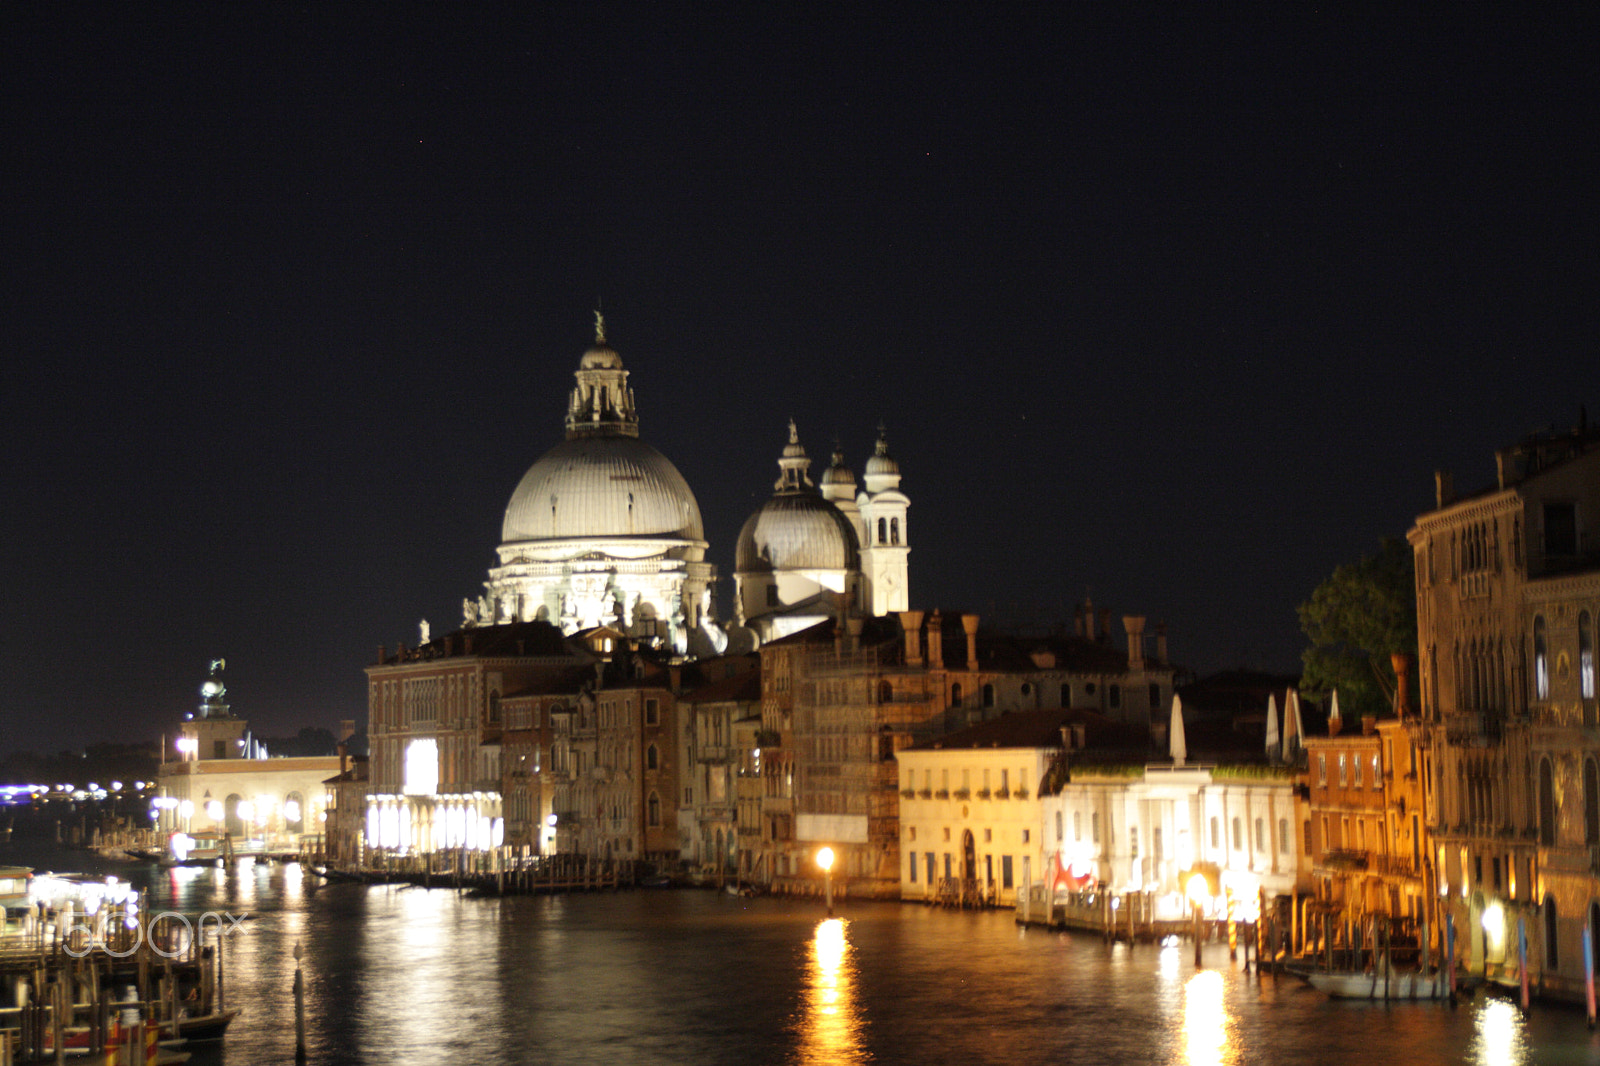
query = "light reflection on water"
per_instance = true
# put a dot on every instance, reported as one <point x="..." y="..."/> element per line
<point x="829" y="1030"/>
<point x="399" y="975"/>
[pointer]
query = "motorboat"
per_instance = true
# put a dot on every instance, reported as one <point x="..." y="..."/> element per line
<point x="1374" y="984"/>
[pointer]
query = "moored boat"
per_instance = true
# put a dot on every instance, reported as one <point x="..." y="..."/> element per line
<point x="1372" y="984"/>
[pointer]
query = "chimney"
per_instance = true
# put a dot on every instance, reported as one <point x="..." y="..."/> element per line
<point x="1135" y="627"/>
<point x="935" y="641"/>
<point x="347" y="729"/>
<point x="1444" y="489"/>
<point x="911" y="625"/>
<point x="383" y="649"/>
<point x="853" y="625"/>
<point x="969" y="623"/>
<point x="1161" y="641"/>
<point x="344" y="757"/>
<point x="1402" y="674"/>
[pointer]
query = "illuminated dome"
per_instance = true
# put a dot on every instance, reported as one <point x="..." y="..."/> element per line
<point x="602" y="530"/>
<point x="596" y="486"/>
<point x="797" y="532"/>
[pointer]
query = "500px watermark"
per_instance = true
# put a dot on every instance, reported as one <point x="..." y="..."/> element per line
<point x="170" y="934"/>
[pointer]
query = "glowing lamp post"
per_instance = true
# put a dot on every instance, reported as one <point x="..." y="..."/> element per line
<point x="825" y="860"/>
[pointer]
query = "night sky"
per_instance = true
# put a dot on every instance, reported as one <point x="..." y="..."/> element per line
<point x="1180" y="311"/>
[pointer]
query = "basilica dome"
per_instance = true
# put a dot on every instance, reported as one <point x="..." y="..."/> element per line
<point x="602" y="486"/>
<point x="799" y="531"/>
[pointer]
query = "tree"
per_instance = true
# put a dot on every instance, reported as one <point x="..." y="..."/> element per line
<point x="1356" y="619"/>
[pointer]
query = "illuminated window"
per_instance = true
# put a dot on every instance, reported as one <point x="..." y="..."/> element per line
<point x="1586" y="654"/>
<point x="1377" y="773"/>
<point x="1343" y="775"/>
<point x="1356" y="769"/>
<point x="1322" y="770"/>
<point x="422" y="767"/>
<point x="1541" y="665"/>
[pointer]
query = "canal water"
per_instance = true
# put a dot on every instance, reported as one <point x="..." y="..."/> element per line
<point x="406" y="975"/>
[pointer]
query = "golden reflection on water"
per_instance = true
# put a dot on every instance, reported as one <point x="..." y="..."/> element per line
<point x="830" y="1027"/>
<point x="1205" y="1019"/>
<point x="1500" y="1034"/>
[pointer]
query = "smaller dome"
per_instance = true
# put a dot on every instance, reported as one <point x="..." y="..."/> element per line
<point x="601" y="357"/>
<point x="838" y="473"/>
<point x="882" y="472"/>
<point x="797" y="531"/>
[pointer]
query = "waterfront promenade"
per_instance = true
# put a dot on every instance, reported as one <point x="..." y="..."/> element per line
<point x="397" y="974"/>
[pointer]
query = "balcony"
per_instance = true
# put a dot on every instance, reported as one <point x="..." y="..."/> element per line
<point x="942" y="794"/>
<point x="962" y="794"/>
<point x="984" y="793"/>
<point x="1346" y="859"/>
<point x="926" y="793"/>
<point x="1476" y="729"/>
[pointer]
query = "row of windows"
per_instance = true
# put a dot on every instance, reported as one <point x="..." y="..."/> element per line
<point x="1350" y="773"/>
<point x="986" y="875"/>
<point x="1000" y="780"/>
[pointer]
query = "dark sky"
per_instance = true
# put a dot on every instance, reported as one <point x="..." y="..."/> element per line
<point x="1180" y="310"/>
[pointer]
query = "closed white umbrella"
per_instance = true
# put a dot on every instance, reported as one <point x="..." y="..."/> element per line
<point x="1179" y="745"/>
<point x="1272" y="724"/>
<point x="1292" y="728"/>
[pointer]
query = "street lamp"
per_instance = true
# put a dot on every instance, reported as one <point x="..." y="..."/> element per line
<point x="825" y="860"/>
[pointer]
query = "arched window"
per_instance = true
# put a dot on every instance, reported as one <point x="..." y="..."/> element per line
<point x="955" y="694"/>
<point x="894" y="531"/>
<point x="1547" y="805"/>
<point x="653" y="811"/>
<point x="1541" y="664"/>
<point x="988" y="695"/>
<point x="1586" y="654"/>
<point x="1066" y="695"/>
<point x="1591" y="803"/>
<point x="1114" y="696"/>
<point x="652" y="758"/>
<point x="883" y="531"/>
<point x="885" y="692"/>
